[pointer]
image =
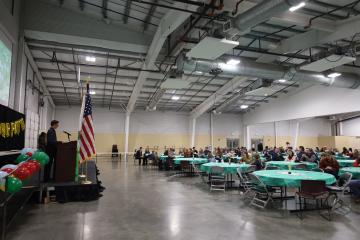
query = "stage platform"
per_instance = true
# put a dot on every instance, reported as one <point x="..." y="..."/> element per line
<point x="77" y="191"/>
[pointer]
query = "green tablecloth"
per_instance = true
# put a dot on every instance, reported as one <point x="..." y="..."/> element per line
<point x="191" y="160"/>
<point x="165" y="157"/>
<point x="281" y="178"/>
<point x="354" y="170"/>
<point x="284" y="165"/>
<point x="346" y="163"/>
<point x="228" y="168"/>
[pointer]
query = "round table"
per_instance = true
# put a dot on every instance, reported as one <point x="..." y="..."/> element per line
<point x="165" y="157"/>
<point x="354" y="170"/>
<point x="346" y="163"/>
<point x="228" y="168"/>
<point x="281" y="178"/>
<point x="284" y="165"/>
<point x="191" y="160"/>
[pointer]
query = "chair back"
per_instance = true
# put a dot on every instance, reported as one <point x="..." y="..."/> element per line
<point x="171" y="162"/>
<point x="313" y="187"/>
<point x="257" y="183"/>
<point x="184" y="164"/>
<point x="344" y="180"/>
<point x="301" y="166"/>
<point x="239" y="173"/>
<point x="217" y="170"/>
<point x="251" y="168"/>
<point x="269" y="167"/>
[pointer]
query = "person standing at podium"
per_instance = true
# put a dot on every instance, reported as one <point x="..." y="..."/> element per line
<point x="51" y="149"/>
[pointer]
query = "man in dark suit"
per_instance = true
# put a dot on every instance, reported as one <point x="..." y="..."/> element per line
<point x="138" y="155"/>
<point x="51" y="149"/>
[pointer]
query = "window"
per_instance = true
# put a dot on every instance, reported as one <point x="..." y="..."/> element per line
<point x="232" y="143"/>
<point x="5" y="69"/>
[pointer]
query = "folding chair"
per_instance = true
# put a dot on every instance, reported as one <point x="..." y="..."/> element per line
<point x="337" y="193"/>
<point x="262" y="194"/>
<point x="217" y="179"/>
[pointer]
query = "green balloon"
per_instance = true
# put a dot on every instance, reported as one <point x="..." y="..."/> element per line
<point x="22" y="158"/>
<point x="41" y="157"/>
<point x="13" y="185"/>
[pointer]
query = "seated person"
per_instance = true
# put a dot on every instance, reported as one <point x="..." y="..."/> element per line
<point x="194" y="152"/>
<point x="138" y="155"/>
<point x="330" y="165"/>
<point x="245" y="157"/>
<point x="309" y="156"/>
<point x="207" y="151"/>
<point x="357" y="163"/>
<point x="355" y="189"/>
<point x="291" y="156"/>
<point x="211" y="157"/>
<point x="300" y="153"/>
<point x="356" y="154"/>
<point x="276" y="155"/>
<point x="257" y="162"/>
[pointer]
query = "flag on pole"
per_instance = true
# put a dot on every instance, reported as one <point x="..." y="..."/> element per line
<point x="86" y="136"/>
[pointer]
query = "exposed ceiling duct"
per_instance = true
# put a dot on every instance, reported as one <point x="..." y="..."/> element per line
<point x="262" y="12"/>
<point x="269" y="71"/>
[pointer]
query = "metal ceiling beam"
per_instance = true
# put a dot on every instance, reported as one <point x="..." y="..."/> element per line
<point x="343" y="29"/>
<point x="169" y="23"/>
<point x="104" y="8"/>
<point x="217" y="96"/>
<point x="46" y="60"/>
<point x="127" y="11"/>
<point x="149" y="15"/>
<point x="127" y="57"/>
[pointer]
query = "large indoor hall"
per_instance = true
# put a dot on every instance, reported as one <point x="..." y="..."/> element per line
<point x="179" y="119"/>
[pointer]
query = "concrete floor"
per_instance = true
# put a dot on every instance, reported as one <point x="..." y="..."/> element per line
<point x="142" y="203"/>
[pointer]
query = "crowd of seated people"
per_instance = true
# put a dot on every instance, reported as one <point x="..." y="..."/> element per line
<point x="325" y="157"/>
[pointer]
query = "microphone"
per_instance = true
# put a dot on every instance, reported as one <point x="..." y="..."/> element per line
<point x="69" y="134"/>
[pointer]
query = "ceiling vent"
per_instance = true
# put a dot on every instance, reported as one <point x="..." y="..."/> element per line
<point x="211" y="48"/>
<point x="327" y="63"/>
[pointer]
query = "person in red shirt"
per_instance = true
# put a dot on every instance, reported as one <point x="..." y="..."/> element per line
<point x="357" y="163"/>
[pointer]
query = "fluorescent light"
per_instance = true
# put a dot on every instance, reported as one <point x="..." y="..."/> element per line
<point x="175" y="97"/>
<point x="282" y="80"/>
<point x="233" y="62"/>
<point x="244" y="106"/>
<point x="92" y="92"/>
<point x="296" y="7"/>
<point x="199" y="72"/>
<point x="90" y="59"/>
<point x="334" y="75"/>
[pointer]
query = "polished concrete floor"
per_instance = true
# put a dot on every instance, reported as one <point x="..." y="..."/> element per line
<point x="142" y="203"/>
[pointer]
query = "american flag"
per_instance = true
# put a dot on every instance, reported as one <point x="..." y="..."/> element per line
<point x="87" y="140"/>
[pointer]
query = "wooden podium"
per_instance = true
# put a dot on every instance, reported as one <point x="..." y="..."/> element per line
<point x="65" y="162"/>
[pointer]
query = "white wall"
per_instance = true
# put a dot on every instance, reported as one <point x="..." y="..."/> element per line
<point x="309" y="102"/>
<point x="106" y="121"/>
<point x="351" y="127"/>
<point x="312" y="127"/>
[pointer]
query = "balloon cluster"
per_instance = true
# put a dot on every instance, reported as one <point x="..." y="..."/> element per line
<point x="28" y="163"/>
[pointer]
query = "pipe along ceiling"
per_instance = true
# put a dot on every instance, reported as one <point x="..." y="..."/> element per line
<point x="268" y="71"/>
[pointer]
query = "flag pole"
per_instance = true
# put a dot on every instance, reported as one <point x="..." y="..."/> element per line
<point x="78" y="142"/>
<point x="86" y="181"/>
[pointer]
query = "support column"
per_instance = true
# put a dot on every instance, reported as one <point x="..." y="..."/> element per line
<point x="193" y="132"/>
<point x="212" y="131"/>
<point x="275" y="134"/>
<point x="127" y="125"/>
<point x="297" y="130"/>
<point x="247" y="140"/>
